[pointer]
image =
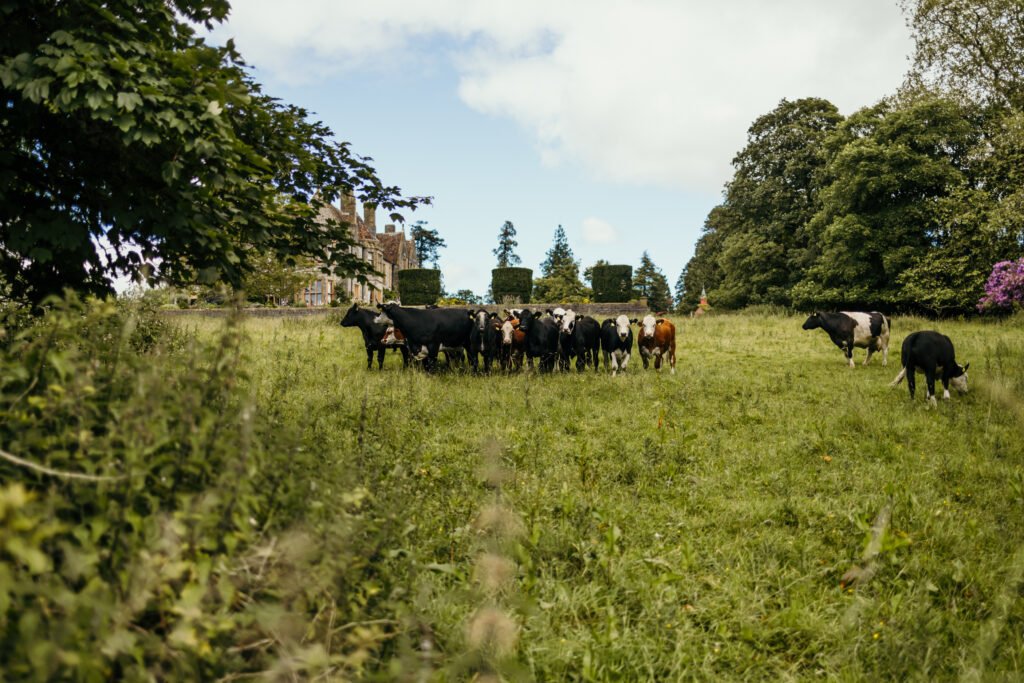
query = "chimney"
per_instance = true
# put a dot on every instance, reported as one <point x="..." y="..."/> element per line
<point x="370" y="217"/>
<point x="348" y="207"/>
<point x="389" y="228"/>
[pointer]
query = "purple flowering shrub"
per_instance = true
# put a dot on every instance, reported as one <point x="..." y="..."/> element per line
<point x="1005" y="286"/>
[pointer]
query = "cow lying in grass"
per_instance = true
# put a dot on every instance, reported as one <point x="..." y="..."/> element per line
<point x="849" y="330"/>
<point x="930" y="352"/>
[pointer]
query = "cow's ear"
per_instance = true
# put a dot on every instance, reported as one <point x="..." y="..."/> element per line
<point x="633" y="321"/>
<point x="492" y="315"/>
<point x="966" y="365"/>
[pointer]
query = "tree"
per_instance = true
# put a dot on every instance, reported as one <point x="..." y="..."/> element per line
<point x="505" y="251"/>
<point x="427" y="243"/>
<point x="894" y="172"/>
<point x="276" y="278"/>
<point x="131" y="146"/>
<point x="650" y="282"/>
<point x="974" y="48"/>
<point x="560" y="273"/>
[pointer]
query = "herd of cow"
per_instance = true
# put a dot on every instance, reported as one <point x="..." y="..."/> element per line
<point x="557" y="336"/>
<point x="549" y="338"/>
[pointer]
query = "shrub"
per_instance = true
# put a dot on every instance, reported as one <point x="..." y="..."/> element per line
<point x="1005" y="286"/>
<point x="612" y="284"/>
<point x="511" y="284"/>
<point x="147" y="511"/>
<point x="419" y="286"/>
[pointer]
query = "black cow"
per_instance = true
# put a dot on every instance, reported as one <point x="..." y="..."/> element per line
<point x="566" y="322"/>
<point x="484" y="338"/>
<point x="541" y="339"/>
<point x="616" y="343"/>
<point x="848" y="330"/>
<point x="929" y="351"/>
<point x="373" y="335"/>
<point x="429" y="330"/>
<point x="584" y="340"/>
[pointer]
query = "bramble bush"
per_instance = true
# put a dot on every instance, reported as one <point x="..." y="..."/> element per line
<point x="1005" y="286"/>
<point x="154" y="525"/>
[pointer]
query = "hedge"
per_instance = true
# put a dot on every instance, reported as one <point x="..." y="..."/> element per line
<point x="419" y="286"/>
<point x="511" y="283"/>
<point x="612" y="284"/>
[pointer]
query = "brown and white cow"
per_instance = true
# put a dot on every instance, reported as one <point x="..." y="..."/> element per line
<point x="657" y="339"/>
<point x="513" y="345"/>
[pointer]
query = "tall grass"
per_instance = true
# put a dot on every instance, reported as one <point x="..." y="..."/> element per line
<point x="679" y="527"/>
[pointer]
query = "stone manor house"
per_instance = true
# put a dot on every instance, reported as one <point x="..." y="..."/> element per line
<point x="388" y="252"/>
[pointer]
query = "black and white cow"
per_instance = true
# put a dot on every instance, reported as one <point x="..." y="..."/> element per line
<point x="929" y="352"/>
<point x="373" y="335"/>
<point x="429" y="331"/>
<point x="541" y="339"/>
<point x="484" y="338"/>
<point x="848" y="330"/>
<point x="616" y="343"/>
<point x="566" y="321"/>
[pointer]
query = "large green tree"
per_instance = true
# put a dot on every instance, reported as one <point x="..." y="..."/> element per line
<point x="971" y="47"/>
<point x="560" y="273"/>
<point x="506" y="249"/>
<point x="650" y="282"/>
<point x="130" y="145"/>
<point x="427" y="243"/>
<point x="895" y="170"/>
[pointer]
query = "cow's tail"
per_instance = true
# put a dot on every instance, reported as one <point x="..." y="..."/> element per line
<point x="899" y="377"/>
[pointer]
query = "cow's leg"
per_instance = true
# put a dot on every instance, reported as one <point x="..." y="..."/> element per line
<point x="945" y="384"/>
<point x="615" y="362"/>
<point x="380" y="357"/>
<point x="369" y="358"/>
<point x="848" y="348"/>
<point x="885" y="351"/>
<point x="405" y="356"/>
<point x="607" y="360"/>
<point x="643" y="357"/>
<point x="911" y="380"/>
<point x="871" y="349"/>
<point x="672" y="359"/>
<point x="625" y="361"/>
<point x="593" y="355"/>
<point x="929" y="378"/>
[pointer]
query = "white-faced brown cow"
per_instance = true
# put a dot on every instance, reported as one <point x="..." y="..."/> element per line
<point x="657" y="339"/>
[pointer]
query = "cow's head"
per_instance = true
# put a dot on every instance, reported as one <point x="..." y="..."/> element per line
<point x="351" y="318"/>
<point x="384" y="317"/>
<point x="568" y="322"/>
<point x="508" y="329"/>
<point x="526" y="319"/>
<point x="959" y="381"/>
<point x="622" y="327"/>
<point x="557" y="313"/>
<point x="813" y="321"/>
<point x="647" y="325"/>
<point x="480" y="319"/>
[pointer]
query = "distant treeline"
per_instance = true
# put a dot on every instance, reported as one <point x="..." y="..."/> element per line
<point x="903" y="206"/>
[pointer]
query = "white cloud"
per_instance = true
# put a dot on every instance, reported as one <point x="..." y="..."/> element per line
<point x="597" y="231"/>
<point x="648" y="92"/>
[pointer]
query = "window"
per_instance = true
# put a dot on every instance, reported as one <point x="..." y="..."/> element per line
<point x="314" y="294"/>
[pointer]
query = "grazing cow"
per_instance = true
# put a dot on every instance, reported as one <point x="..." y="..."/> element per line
<point x="374" y="335"/>
<point x="541" y="339"/>
<point x="616" y="343"/>
<point x="513" y="345"/>
<point x="848" y="330"/>
<point x="427" y="331"/>
<point x="484" y="338"/>
<point x="929" y="351"/>
<point x="657" y="339"/>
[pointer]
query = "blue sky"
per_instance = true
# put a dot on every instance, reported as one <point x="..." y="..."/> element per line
<point x="617" y="120"/>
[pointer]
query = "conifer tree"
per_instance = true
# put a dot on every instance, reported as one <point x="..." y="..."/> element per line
<point x="505" y="251"/>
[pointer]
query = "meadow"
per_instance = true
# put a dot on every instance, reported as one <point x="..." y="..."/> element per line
<point x="765" y="513"/>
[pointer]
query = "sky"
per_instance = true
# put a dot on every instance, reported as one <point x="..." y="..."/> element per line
<point x="617" y="119"/>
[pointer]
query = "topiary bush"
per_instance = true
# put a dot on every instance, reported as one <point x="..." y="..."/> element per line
<point x="419" y="286"/>
<point x="612" y="284"/>
<point x="511" y="284"/>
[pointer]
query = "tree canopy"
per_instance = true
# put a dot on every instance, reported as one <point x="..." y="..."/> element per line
<point x="649" y="281"/>
<point x="427" y="243"/>
<point x="130" y="145"/>
<point x="506" y="249"/>
<point x="560" y="273"/>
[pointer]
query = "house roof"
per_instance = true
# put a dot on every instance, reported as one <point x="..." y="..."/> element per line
<point x="392" y="242"/>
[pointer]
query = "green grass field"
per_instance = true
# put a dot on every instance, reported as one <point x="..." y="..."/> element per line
<point x="688" y="527"/>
